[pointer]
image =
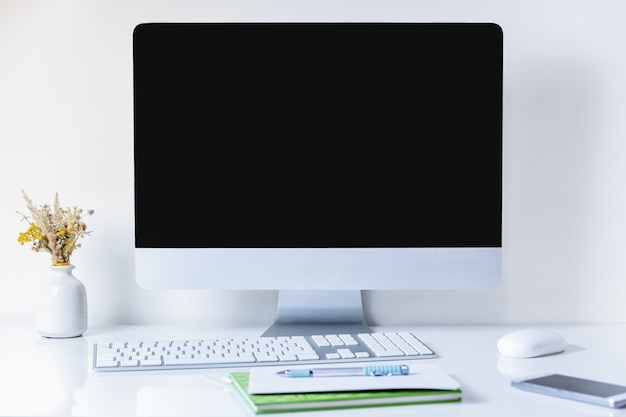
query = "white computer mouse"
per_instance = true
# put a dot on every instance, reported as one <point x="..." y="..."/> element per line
<point x="530" y="343"/>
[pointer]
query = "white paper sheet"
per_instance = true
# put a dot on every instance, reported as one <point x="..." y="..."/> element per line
<point x="266" y="380"/>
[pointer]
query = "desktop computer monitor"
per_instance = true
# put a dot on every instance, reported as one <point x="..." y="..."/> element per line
<point x="319" y="160"/>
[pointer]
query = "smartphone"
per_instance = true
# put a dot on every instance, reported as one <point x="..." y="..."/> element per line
<point x="573" y="388"/>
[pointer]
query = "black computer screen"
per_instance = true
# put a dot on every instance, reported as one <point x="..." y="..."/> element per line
<point x="318" y="135"/>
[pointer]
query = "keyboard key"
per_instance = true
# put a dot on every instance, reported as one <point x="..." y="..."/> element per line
<point x="103" y="363"/>
<point x="308" y="356"/>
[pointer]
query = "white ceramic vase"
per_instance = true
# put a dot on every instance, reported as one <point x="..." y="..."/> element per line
<point x="61" y="304"/>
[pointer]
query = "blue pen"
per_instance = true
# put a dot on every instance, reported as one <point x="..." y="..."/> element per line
<point x="382" y="370"/>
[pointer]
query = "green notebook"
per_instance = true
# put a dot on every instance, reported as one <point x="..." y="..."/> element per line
<point x="276" y="403"/>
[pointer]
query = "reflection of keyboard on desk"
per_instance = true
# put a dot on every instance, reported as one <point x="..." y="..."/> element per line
<point x="258" y="351"/>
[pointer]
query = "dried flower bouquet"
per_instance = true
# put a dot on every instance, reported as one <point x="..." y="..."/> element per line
<point x="55" y="230"/>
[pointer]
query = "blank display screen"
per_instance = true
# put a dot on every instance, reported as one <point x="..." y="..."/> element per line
<point x="318" y="135"/>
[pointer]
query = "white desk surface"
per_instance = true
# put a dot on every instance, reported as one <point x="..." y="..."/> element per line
<point x="41" y="376"/>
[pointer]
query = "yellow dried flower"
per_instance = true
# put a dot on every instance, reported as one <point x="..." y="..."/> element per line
<point x="54" y="230"/>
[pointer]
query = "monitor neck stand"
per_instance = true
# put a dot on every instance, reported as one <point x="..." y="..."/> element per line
<point x="304" y="312"/>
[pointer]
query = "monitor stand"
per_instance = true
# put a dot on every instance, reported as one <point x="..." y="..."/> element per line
<point x="304" y="312"/>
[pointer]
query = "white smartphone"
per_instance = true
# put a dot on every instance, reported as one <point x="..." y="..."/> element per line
<point x="573" y="388"/>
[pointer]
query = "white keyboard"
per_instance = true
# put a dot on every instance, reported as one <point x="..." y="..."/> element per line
<point x="265" y="350"/>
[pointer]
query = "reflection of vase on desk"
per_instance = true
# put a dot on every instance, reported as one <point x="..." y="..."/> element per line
<point x="61" y="304"/>
<point x="63" y="370"/>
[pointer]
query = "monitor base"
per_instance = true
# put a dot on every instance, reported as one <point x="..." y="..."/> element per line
<point x="303" y="312"/>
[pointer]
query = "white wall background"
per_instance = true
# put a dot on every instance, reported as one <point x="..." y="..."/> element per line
<point x="66" y="125"/>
